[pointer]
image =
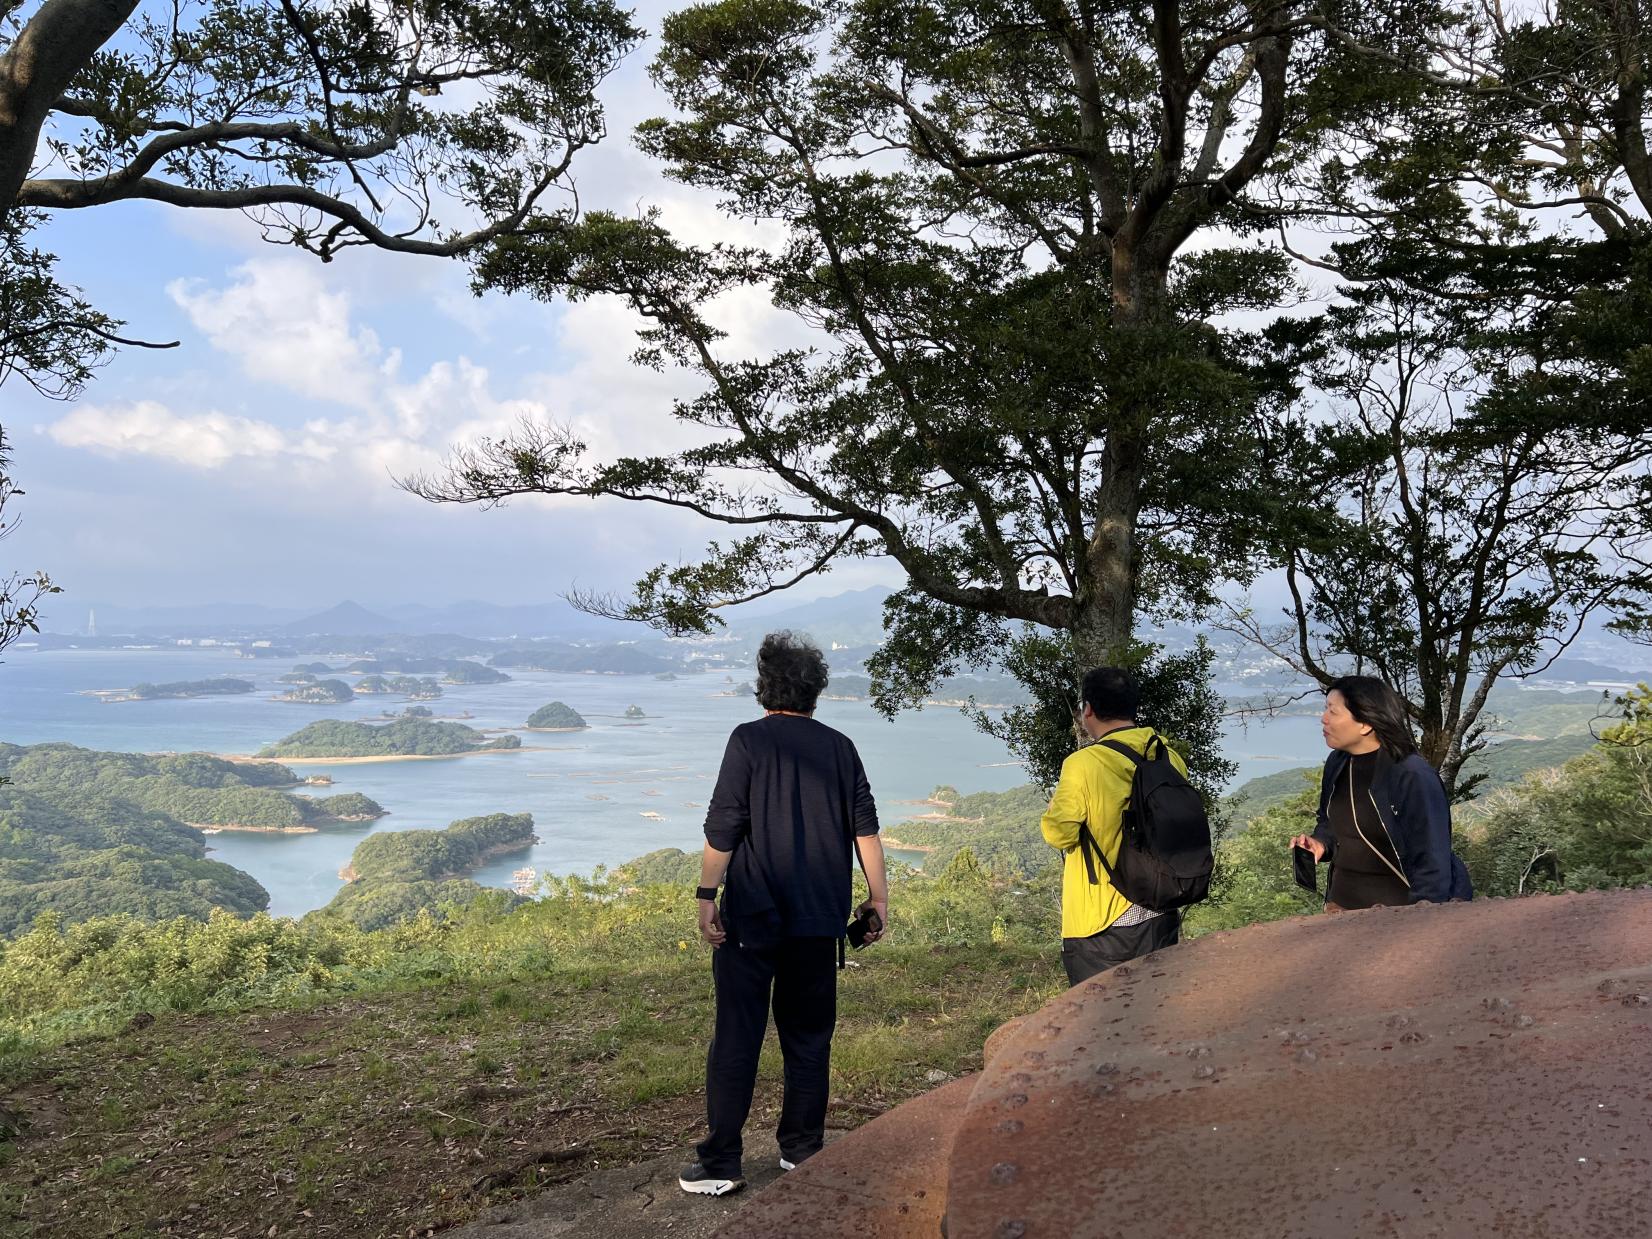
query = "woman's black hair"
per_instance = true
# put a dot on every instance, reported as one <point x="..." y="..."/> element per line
<point x="1380" y="708"/>
<point x="791" y="673"/>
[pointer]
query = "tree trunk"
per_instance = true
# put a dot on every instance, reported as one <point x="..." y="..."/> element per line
<point x="35" y="71"/>
<point x="1104" y="610"/>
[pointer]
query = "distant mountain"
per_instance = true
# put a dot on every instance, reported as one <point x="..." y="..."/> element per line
<point x="487" y="619"/>
<point x="854" y="617"/>
<point x="1584" y="671"/>
<point x="346" y="619"/>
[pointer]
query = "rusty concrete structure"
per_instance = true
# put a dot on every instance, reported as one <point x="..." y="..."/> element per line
<point x="1465" y="1070"/>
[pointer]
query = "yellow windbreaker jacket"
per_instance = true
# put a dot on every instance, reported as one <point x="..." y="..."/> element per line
<point x="1094" y="788"/>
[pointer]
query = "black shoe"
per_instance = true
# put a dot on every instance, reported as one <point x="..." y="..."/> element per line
<point x="697" y="1179"/>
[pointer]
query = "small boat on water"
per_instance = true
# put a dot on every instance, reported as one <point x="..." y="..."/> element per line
<point x="653" y="816"/>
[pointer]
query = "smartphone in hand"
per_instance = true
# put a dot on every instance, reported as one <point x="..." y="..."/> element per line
<point x="868" y="922"/>
<point x="1302" y="865"/>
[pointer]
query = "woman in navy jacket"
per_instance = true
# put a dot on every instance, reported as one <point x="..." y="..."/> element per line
<point x="1384" y="821"/>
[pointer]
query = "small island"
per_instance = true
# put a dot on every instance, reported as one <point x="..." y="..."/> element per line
<point x="557" y="716"/>
<point x="414" y="688"/>
<point x="350" y="807"/>
<point x="634" y="712"/>
<point x="398" y="874"/>
<point x="337" y="740"/>
<point x="182" y="689"/>
<point x="464" y="672"/>
<point x="321" y="693"/>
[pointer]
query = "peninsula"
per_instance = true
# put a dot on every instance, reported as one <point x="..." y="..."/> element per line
<point x="177" y="689"/>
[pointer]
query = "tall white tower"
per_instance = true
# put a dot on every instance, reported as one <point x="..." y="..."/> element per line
<point x="91" y="623"/>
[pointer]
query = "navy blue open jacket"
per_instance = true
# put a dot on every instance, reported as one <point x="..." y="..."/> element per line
<point x="1411" y="801"/>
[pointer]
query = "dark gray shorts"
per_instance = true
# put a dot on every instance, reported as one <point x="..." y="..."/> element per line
<point x="1085" y="957"/>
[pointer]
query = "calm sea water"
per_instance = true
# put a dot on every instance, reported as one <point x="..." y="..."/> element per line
<point x="588" y="791"/>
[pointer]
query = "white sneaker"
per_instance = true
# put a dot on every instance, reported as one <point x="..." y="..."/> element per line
<point x="696" y="1179"/>
<point x="786" y="1165"/>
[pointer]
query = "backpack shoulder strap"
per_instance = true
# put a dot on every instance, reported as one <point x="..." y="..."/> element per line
<point x="1118" y="746"/>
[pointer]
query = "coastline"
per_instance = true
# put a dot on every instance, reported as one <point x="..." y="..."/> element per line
<point x="249" y="759"/>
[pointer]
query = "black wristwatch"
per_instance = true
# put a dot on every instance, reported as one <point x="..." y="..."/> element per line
<point x="706" y="892"/>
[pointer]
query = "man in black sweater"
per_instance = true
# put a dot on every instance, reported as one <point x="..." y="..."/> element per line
<point x="791" y="810"/>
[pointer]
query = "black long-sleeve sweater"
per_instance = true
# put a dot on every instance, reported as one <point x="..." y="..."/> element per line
<point x="790" y="798"/>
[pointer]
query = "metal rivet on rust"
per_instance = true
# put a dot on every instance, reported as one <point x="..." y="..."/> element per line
<point x="1306" y="1055"/>
<point x="1020" y="1077"/>
<point x="1636" y="1000"/>
<point x="1004" y="1172"/>
<point x="1198" y="1051"/>
<point x="1011" y="1228"/>
<point x="1204" y="1073"/>
<point x="1107" y="1069"/>
<point x="1497" y="1004"/>
<point x="1034" y="1056"/>
<point x="1015" y="1101"/>
<point x="1009" y="1127"/>
<point x="1414" y="1036"/>
<point x="1523" y="1021"/>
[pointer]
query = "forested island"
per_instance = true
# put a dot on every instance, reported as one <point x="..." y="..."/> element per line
<point x="557" y="716"/>
<point x="322" y="692"/>
<point x="85" y="833"/>
<point x="397" y="874"/>
<point x="223" y="686"/>
<point x="414" y="688"/>
<point x="337" y="739"/>
<point x="466" y="672"/>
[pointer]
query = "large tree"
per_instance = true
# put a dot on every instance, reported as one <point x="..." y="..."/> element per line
<point x="984" y="214"/>
<point x="1486" y="487"/>
<point x="1434" y="543"/>
<point x="425" y="128"/>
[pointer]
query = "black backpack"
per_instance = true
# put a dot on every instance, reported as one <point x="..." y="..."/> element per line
<point x="1165" y="858"/>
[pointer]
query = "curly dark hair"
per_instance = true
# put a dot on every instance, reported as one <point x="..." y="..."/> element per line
<point x="791" y="673"/>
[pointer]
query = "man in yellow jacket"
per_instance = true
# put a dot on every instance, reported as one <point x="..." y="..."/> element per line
<point x="1099" y="926"/>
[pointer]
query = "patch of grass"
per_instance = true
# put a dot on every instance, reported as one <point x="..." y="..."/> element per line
<point x="372" y="1114"/>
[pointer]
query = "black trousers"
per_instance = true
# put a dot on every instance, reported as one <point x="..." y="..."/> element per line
<point x="802" y="973"/>
<point x="1085" y="957"/>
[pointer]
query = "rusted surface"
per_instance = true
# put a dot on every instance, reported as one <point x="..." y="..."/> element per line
<point x="1464" y="1070"/>
<point x="887" y="1180"/>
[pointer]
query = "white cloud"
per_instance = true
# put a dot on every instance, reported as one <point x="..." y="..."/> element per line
<point x="285" y="326"/>
<point x="204" y="441"/>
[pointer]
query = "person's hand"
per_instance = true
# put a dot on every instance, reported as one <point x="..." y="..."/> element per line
<point x="1312" y="844"/>
<point x="711" y="925"/>
<point x="881" y="907"/>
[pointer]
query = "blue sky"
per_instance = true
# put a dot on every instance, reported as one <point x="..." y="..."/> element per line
<point x="254" y="462"/>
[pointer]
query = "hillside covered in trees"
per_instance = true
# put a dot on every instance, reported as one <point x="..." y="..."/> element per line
<point x="404" y="738"/>
<point x="193" y="788"/>
<point x="396" y="875"/>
